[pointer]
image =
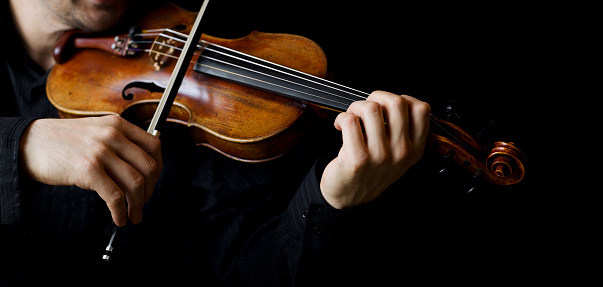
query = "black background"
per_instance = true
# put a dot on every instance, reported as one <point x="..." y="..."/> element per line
<point x="503" y="61"/>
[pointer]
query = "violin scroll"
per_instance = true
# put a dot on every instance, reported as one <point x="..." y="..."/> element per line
<point x="506" y="162"/>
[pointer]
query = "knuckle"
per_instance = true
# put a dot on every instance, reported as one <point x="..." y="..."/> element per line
<point x="373" y="107"/>
<point x="354" y="106"/>
<point x="99" y="150"/>
<point x="402" y="152"/>
<point x="348" y="120"/>
<point x="378" y="94"/>
<point x="86" y="169"/>
<point x="409" y="154"/>
<point x="381" y="156"/>
<point x="399" y="102"/>
<point x="369" y="106"/>
<point x="116" y="196"/>
<point x="423" y="108"/>
<point x="109" y="133"/>
<point x="152" y="169"/>
<point x="155" y="144"/>
<point x="153" y="166"/>
<point x="95" y="155"/>
<point x="90" y="164"/>
<point x="113" y="120"/>
<point x="402" y="155"/>
<point x="137" y="180"/>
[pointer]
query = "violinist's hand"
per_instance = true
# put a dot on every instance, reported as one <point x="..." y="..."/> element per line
<point x="107" y="154"/>
<point x="370" y="161"/>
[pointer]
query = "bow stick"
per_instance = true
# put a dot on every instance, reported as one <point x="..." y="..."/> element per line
<point x="165" y="104"/>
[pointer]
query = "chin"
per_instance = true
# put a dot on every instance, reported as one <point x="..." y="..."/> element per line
<point x="102" y="16"/>
<point x="100" y="21"/>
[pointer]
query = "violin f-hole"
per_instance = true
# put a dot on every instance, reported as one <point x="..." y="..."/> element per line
<point x="151" y="87"/>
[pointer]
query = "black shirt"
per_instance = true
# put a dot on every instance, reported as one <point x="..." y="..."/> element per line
<point x="19" y="75"/>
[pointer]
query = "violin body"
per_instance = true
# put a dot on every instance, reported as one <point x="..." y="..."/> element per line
<point x="241" y="122"/>
<point x="240" y="111"/>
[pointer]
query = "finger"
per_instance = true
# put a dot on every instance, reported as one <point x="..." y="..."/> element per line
<point x="113" y="196"/>
<point x="152" y="146"/>
<point x="419" y="112"/>
<point x="131" y="182"/>
<point x="141" y="150"/>
<point x="91" y="174"/>
<point x="395" y="113"/>
<point x="371" y="115"/>
<point x="141" y="161"/>
<point x="149" y="143"/>
<point x="141" y="138"/>
<point x="349" y="125"/>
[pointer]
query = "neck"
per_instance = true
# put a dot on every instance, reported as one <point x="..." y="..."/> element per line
<point x="38" y="29"/>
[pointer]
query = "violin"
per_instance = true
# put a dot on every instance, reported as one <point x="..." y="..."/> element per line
<point x="246" y="98"/>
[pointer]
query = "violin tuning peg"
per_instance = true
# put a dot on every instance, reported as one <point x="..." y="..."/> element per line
<point x="447" y="161"/>
<point x="470" y="118"/>
<point x="485" y="132"/>
<point x="475" y="180"/>
<point x="134" y="32"/>
<point x="454" y="111"/>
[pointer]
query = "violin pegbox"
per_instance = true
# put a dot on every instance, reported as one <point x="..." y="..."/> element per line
<point x="120" y="45"/>
<point x="129" y="44"/>
<point x="472" y="120"/>
<point x="503" y="164"/>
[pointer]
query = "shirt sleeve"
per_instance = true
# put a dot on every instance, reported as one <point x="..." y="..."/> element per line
<point x="11" y="129"/>
<point x="305" y="243"/>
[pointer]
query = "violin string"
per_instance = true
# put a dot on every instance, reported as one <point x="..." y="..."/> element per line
<point x="434" y="124"/>
<point x="276" y="85"/>
<point x="296" y="84"/>
<point x="317" y="79"/>
<point x="141" y="42"/>
<point x="270" y="83"/>
<point x="208" y="44"/>
<point x="152" y="33"/>
<point x="275" y="77"/>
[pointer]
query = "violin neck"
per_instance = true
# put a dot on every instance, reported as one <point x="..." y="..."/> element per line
<point x="251" y="71"/>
